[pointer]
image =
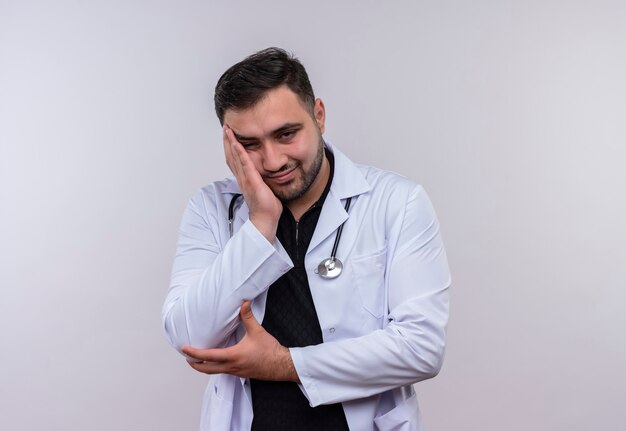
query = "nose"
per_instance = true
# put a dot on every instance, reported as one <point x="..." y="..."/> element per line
<point x="273" y="157"/>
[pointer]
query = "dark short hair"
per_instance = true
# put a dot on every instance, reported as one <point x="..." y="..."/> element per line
<point x="247" y="82"/>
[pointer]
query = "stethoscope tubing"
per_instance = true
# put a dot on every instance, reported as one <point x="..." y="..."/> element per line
<point x="231" y="213"/>
<point x="333" y="254"/>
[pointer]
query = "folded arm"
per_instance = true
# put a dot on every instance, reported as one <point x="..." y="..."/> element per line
<point x="209" y="282"/>
<point x="411" y="346"/>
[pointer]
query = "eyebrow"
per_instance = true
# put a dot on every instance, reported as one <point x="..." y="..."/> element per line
<point x="283" y="128"/>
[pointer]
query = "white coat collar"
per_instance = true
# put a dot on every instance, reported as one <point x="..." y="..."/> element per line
<point x="348" y="180"/>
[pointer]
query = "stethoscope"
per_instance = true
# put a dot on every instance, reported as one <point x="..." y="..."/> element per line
<point x="328" y="268"/>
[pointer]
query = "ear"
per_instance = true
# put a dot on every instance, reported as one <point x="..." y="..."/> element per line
<point x="319" y="113"/>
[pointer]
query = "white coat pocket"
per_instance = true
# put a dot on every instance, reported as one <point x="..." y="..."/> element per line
<point x="217" y="410"/>
<point x="368" y="275"/>
<point x="403" y="417"/>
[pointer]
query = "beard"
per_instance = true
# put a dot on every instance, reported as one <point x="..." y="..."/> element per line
<point x="301" y="184"/>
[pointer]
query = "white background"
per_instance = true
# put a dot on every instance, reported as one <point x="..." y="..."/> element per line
<point x="511" y="113"/>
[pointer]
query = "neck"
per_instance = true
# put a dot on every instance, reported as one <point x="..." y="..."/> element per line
<point x="299" y="206"/>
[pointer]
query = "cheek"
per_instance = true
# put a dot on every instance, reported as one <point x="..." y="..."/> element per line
<point x="308" y="151"/>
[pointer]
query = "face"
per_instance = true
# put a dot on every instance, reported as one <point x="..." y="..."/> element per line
<point x="283" y="140"/>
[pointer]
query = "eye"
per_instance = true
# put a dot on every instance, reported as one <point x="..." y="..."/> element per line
<point x="249" y="145"/>
<point x="287" y="135"/>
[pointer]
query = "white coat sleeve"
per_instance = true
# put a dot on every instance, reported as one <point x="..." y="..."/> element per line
<point x="209" y="282"/>
<point x="411" y="346"/>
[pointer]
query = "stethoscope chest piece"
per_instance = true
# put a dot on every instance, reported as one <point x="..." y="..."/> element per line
<point x="333" y="267"/>
<point x="330" y="268"/>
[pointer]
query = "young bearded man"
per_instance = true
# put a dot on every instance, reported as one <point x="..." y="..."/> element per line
<point x="342" y="265"/>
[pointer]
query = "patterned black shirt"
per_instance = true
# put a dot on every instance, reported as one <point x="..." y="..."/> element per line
<point x="291" y="318"/>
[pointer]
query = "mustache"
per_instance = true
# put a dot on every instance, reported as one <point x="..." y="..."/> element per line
<point x="283" y="169"/>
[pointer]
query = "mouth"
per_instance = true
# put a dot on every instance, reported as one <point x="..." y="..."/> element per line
<point x="283" y="177"/>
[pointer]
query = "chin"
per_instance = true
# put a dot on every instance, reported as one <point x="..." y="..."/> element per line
<point x="288" y="193"/>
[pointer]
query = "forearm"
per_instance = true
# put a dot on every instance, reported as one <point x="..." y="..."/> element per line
<point x="408" y="350"/>
<point x="203" y="303"/>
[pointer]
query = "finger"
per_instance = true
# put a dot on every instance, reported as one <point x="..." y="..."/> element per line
<point x="209" y="355"/>
<point x="192" y="352"/>
<point x="248" y="172"/>
<point x="236" y="149"/>
<point x="242" y="156"/>
<point x="229" y="134"/>
<point x="228" y="150"/>
<point x="247" y="318"/>
<point x="240" y="159"/>
<point x="208" y="367"/>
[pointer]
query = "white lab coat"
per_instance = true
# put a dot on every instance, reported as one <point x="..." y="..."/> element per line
<point x="383" y="320"/>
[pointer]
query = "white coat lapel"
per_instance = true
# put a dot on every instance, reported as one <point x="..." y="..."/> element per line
<point x="331" y="217"/>
<point x="348" y="181"/>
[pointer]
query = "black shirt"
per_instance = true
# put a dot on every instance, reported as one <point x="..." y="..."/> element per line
<point x="291" y="318"/>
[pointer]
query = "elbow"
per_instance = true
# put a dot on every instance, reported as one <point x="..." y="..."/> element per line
<point x="182" y="329"/>
<point x="175" y="327"/>
<point x="173" y="336"/>
<point x="433" y="366"/>
<point x="428" y="361"/>
<point x="429" y="349"/>
<point x="436" y="361"/>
